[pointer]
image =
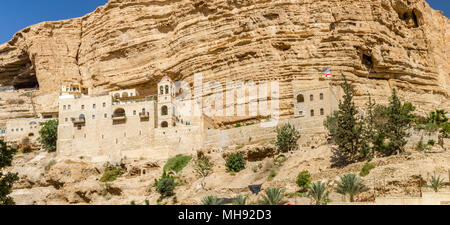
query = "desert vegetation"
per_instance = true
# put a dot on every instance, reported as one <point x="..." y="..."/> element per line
<point x="6" y="180"/>
<point x="49" y="135"/>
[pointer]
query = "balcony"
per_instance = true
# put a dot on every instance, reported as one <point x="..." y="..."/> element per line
<point x="144" y="115"/>
<point x="79" y="120"/>
<point x="119" y="117"/>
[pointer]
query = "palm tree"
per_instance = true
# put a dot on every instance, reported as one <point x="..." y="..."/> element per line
<point x="351" y="184"/>
<point x="212" y="200"/>
<point x="436" y="182"/>
<point x="318" y="192"/>
<point x="273" y="196"/>
<point x="240" y="200"/>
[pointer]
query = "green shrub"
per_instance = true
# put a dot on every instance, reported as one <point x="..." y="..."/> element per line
<point x="272" y="174"/>
<point x="6" y="180"/>
<point x="240" y="200"/>
<point x="365" y="170"/>
<point x="49" y="135"/>
<point x="177" y="163"/>
<point x="436" y="182"/>
<point x="351" y="184"/>
<point x="235" y="162"/>
<point x="165" y="185"/>
<point x="431" y="142"/>
<point x="273" y="196"/>
<point x="212" y="200"/>
<point x="112" y="173"/>
<point x="318" y="193"/>
<point x="287" y="137"/>
<point x="303" y="179"/>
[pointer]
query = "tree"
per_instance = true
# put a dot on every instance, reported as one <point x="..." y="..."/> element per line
<point x="347" y="130"/>
<point x="399" y="120"/>
<point x="273" y="196"/>
<point x="203" y="167"/>
<point x="165" y="185"/>
<point x="49" y="134"/>
<point x="351" y="184"/>
<point x="369" y="131"/>
<point x="287" y="137"/>
<point x="318" y="193"/>
<point x="6" y="180"/>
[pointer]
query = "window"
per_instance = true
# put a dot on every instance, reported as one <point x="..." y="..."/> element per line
<point x="312" y="112"/>
<point x="311" y="97"/>
<point x="134" y="112"/>
<point x="64" y="107"/>
<point x="300" y="98"/>
<point x="104" y="104"/>
<point x="167" y="89"/>
<point x="69" y="107"/>
<point x="164" y="124"/>
<point x="161" y="90"/>
<point x="322" y="112"/>
<point x="106" y="115"/>
<point x="321" y="96"/>
<point x="93" y="117"/>
<point x="66" y="119"/>
<point x="82" y="106"/>
<point x="164" y="111"/>
<point x="300" y="113"/>
<point x="94" y="106"/>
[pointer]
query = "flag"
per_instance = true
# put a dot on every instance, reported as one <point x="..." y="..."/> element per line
<point x="326" y="72"/>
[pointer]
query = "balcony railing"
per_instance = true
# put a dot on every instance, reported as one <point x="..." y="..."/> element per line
<point x="78" y="120"/>
<point x="119" y="116"/>
<point x="144" y="115"/>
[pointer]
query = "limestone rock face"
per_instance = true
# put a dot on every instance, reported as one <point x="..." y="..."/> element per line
<point x="377" y="44"/>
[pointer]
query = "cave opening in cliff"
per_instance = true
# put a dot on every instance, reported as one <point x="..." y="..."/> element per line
<point x="367" y="60"/>
<point x="30" y="82"/>
<point x="412" y="18"/>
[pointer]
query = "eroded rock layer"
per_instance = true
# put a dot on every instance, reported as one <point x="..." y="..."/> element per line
<point x="377" y="44"/>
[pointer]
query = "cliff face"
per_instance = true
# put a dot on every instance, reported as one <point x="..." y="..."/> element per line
<point x="377" y="44"/>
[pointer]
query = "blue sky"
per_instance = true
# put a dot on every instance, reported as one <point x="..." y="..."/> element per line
<point x="18" y="14"/>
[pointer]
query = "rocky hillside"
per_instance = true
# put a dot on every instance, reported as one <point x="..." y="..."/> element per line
<point x="46" y="180"/>
<point x="378" y="44"/>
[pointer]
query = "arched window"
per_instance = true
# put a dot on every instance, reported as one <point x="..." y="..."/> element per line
<point x="31" y="135"/>
<point x="125" y="95"/>
<point x="164" y="111"/>
<point x="311" y="97"/>
<point x="82" y="117"/>
<point x="161" y="90"/>
<point x="167" y="89"/>
<point x="321" y="96"/>
<point x="116" y="95"/>
<point x="119" y="112"/>
<point x="322" y="112"/>
<point x="164" y="124"/>
<point x="312" y="112"/>
<point x="300" y="98"/>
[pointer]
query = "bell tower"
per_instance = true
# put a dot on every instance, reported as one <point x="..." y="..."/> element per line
<point x="166" y="110"/>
